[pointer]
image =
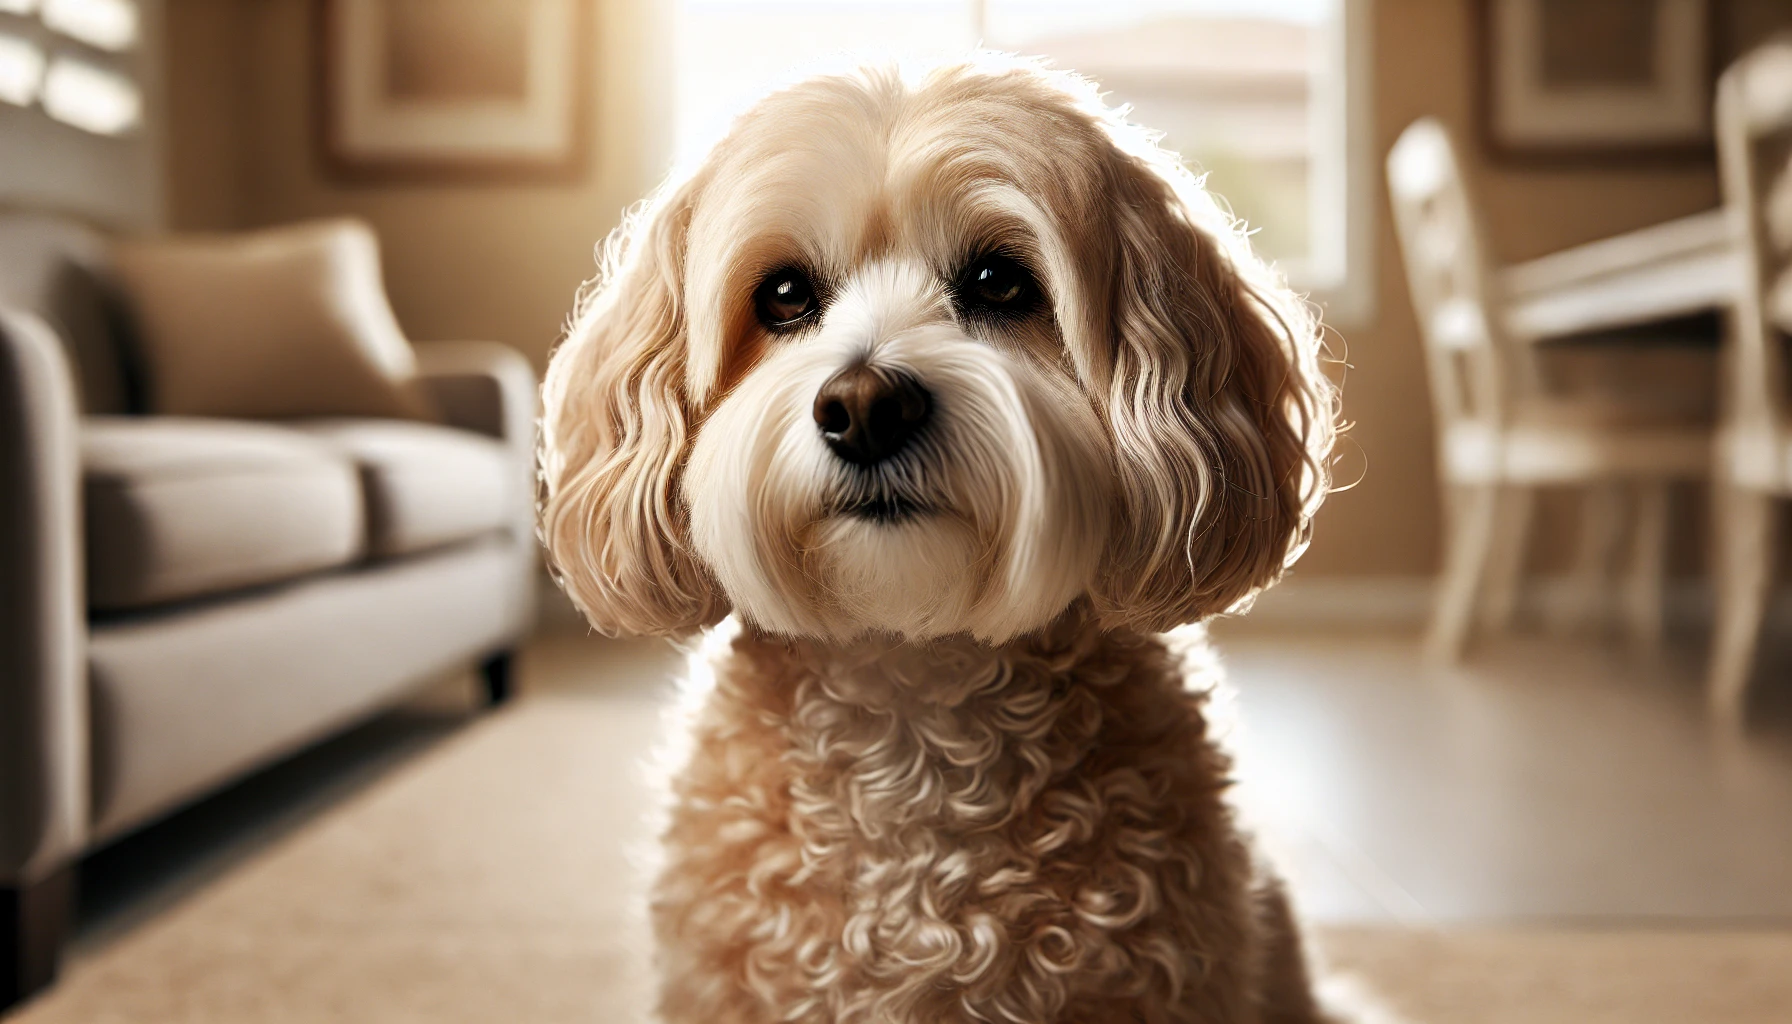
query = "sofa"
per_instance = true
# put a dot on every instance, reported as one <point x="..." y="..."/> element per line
<point x="184" y="599"/>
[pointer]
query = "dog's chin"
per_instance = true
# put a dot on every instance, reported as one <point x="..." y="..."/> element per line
<point x="898" y="567"/>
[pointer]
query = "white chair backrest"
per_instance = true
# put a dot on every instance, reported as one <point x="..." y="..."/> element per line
<point x="1473" y="372"/>
<point x="1754" y="145"/>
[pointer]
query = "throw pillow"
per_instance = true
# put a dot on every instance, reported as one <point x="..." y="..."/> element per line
<point x="291" y="321"/>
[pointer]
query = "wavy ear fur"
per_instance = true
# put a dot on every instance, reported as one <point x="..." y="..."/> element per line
<point x="1222" y="420"/>
<point x="616" y="426"/>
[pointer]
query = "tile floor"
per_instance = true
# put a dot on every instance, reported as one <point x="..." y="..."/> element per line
<point x="1548" y="780"/>
<point x="1544" y="780"/>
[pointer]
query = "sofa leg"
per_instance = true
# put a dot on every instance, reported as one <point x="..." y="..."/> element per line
<point x="495" y="673"/>
<point x="34" y="923"/>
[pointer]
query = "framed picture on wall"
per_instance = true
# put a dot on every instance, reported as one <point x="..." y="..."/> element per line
<point x="1597" y="79"/>
<point x="452" y="90"/>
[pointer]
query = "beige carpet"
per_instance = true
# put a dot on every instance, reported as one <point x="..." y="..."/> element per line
<point x="490" y="881"/>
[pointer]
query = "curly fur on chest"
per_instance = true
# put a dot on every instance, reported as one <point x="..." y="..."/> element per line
<point x="888" y="833"/>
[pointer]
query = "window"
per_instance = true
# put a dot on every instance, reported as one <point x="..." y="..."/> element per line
<point x="91" y="98"/>
<point x="103" y="24"/>
<point x="21" y="71"/>
<point x="73" y="60"/>
<point x="1266" y="97"/>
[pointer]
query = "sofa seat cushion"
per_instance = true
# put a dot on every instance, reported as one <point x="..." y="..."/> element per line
<point x="425" y="486"/>
<point x="181" y="508"/>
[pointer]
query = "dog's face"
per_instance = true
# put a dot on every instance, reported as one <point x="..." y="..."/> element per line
<point x="929" y="359"/>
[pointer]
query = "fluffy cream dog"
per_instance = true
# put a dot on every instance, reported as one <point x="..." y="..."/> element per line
<point x="956" y="392"/>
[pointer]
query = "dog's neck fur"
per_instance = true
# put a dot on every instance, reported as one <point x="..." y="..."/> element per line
<point x="953" y="735"/>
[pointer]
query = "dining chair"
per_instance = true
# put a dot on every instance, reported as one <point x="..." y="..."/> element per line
<point x="1501" y="437"/>
<point x="1754" y="145"/>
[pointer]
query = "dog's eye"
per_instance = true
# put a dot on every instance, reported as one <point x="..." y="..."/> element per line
<point x="996" y="283"/>
<point x="784" y="297"/>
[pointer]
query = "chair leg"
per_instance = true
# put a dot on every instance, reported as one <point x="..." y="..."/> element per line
<point x="34" y="923"/>
<point x="1589" y="581"/>
<point x="1470" y="534"/>
<point x="495" y="673"/>
<point x="1645" y="567"/>
<point x="1505" y="569"/>
<point x="1744" y="529"/>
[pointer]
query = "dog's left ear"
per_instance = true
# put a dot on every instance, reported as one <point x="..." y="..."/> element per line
<point x="1221" y="418"/>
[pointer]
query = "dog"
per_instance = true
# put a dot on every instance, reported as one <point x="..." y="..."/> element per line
<point x="951" y="393"/>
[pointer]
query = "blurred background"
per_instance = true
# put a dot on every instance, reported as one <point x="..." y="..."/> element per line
<point x="277" y="281"/>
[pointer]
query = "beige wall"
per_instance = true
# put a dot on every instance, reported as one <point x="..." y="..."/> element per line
<point x="494" y="261"/>
<point x="208" y="105"/>
<point x="502" y="262"/>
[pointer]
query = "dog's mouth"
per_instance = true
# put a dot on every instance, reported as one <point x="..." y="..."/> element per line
<point x="885" y="509"/>
<point x="888" y="495"/>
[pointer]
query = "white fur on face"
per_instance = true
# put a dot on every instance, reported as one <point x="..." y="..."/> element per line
<point x="1011" y="473"/>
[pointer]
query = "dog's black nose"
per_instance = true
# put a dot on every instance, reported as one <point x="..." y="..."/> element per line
<point x="867" y="414"/>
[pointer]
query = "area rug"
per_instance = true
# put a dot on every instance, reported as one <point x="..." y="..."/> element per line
<point x="491" y="880"/>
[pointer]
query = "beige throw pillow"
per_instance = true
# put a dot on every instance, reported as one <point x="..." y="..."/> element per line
<point x="291" y="321"/>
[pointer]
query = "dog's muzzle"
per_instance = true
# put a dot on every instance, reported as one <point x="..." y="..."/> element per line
<point x="868" y="416"/>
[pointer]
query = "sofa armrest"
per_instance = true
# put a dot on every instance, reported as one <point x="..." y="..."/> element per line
<point x="43" y="693"/>
<point x="490" y="388"/>
<point x="481" y="386"/>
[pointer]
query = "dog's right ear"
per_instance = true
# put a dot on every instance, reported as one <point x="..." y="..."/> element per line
<point x="616" y="429"/>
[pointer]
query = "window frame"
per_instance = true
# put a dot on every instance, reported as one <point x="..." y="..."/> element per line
<point x="1339" y="272"/>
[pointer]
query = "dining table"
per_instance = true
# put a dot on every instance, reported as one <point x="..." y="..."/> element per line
<point x="1682" y="268"/>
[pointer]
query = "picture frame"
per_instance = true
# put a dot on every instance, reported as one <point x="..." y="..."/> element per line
<point x="462" y="91"/>
<point x="1576" y="81"/>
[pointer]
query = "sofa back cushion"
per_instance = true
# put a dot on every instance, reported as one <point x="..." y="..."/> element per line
<point x="286" y="322"/>
<point x="60" y="270"/>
